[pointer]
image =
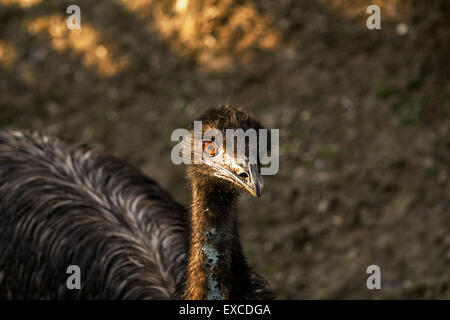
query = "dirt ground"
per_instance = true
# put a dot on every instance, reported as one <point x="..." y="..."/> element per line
<point x="364" y="119"/>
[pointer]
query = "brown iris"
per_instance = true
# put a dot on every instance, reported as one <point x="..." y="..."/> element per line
<point x="209" y="148"/>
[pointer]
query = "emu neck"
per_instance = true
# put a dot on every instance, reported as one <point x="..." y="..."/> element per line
<point x="209" y="273"/>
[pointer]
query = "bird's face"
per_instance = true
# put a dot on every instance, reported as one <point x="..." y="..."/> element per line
<point x="220" y="163"/>
<point x="235" y="164"/>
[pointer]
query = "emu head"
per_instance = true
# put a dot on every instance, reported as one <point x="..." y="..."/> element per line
<point x="225" y="151"/>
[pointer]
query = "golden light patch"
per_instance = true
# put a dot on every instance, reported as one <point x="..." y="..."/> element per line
<point x="21" y="3"/>
<point x="357" y="8"/>
<point x="137" y="5"/>
<point x="181" y="5"/>
<point x="97" y="55"/>
<point x="7" y="54"/>
<point x="216" y="33"/>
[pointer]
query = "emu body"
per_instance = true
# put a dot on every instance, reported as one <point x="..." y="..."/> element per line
<point x="63" y="204"/>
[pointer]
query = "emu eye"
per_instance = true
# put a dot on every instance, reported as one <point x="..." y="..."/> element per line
<point x="209" y="148"/>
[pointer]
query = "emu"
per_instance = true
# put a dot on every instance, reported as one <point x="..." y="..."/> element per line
<point x="63" y="204"/>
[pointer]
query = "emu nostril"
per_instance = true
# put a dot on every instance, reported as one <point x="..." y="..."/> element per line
<point x="243" y="175"/>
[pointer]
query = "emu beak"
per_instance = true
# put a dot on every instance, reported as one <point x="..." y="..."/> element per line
<point x="251" y="180"/>
<point x="240" y="172"/>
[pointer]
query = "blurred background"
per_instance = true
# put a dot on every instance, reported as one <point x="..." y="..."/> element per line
<point x="364" y="119"/>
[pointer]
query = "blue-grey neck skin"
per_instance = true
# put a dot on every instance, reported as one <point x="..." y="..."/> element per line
<point x="212" y="257"/>
<point x="213" y="224"/>
<point x="217" y="250"/>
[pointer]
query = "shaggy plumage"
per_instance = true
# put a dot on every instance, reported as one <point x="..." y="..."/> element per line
<point x="64" y="205"/>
